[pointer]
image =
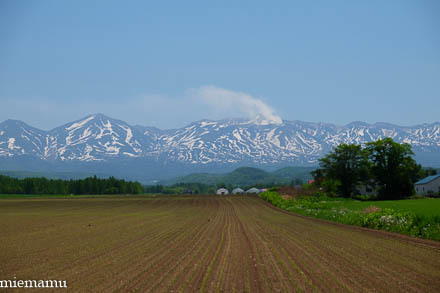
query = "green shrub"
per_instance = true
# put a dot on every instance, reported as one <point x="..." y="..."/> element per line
<point x="320" y="206"/>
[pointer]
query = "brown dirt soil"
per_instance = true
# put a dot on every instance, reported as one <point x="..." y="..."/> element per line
<point x="294" y="192"/>
<point x="204" y="244"/>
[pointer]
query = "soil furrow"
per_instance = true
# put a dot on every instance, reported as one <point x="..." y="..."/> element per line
<point x="204" y="243"/>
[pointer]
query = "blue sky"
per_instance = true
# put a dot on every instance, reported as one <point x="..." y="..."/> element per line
<point x="167" y="63"/>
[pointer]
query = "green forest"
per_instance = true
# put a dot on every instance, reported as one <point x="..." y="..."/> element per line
<point x="90" y="185"/>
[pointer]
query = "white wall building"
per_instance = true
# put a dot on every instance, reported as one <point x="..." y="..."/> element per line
<point x="253" y="190"/>
<point x="428" y="185"/>
<point x="222" y="191"/>
<point x="366" y="189"/>
<point x="237" y="191"/>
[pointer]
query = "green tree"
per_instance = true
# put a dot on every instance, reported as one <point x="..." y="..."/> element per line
<point x="91" y="185"/>
<point x="221" y="185"/>
<point x="426" y="172"/>
<point x="347" y="165"/>
<point x="331" y="186"/>
<point x="393" y="168"/>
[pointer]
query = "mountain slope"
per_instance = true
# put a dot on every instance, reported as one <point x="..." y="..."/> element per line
<point x="95" y="138"/>
<point x="100" y="143"/>
<point x="247" y="176"/>
<point x="17" y="138"/>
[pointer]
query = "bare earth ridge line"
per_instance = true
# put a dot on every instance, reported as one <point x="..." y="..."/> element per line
<point x="215" y="243"/>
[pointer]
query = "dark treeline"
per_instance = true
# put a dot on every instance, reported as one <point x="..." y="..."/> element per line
<point x="181" y="188"/>
<point x="90" y="185"/>
<point x="259" y="185"/>
<point x="200" y="188"/>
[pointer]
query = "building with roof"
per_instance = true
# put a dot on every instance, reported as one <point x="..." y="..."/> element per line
<point x="428" y="185"/>
<point x="367" y="188"/>
<point x="237" y="191"/>
<point x="222" y="191"/>
<point x="253" y="190"/>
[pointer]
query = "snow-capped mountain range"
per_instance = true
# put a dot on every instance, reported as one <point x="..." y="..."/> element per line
<point x="98" y="138"/>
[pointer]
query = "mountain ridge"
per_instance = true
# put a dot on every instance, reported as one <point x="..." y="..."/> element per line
<point x="97" y="142"/>
<point x="247" y="176"/>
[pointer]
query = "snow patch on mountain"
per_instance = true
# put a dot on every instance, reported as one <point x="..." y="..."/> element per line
<point x="100" y="138"/>
<point x="80" y="124"/>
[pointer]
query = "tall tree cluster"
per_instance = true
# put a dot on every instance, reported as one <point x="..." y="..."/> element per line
<point x="385" y="165"/>
<point x="90" y="185"/>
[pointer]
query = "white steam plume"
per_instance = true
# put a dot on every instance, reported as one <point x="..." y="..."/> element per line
<point x="226" y="101"/>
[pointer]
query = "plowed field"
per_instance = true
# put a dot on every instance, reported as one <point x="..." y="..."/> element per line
<point x="212" y="243"/>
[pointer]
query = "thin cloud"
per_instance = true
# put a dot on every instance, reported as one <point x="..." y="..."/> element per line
<point x="206" y="102"/>
<point x="225" y="102"/>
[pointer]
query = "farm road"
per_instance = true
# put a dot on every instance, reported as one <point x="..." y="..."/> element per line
<point x="210" y="244"/>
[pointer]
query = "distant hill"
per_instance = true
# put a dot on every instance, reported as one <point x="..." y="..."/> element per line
<point x="302" y="173"/>
<point x="247" y="176"/>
